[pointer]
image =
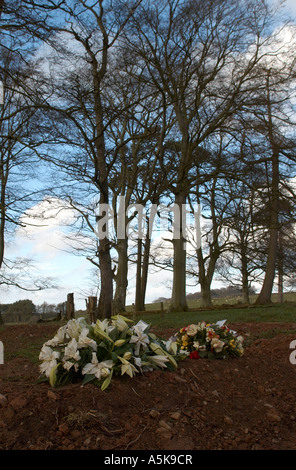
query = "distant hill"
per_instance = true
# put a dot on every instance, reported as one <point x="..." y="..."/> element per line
<point x="229" y="291"/>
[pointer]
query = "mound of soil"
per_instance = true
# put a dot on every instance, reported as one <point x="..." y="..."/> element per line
<point x="244" y="403"/>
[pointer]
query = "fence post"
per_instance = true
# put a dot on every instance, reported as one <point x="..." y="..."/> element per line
<point x="70" y="307"/>
<point x="91" y="306"/>
<point x="161" y="309"/>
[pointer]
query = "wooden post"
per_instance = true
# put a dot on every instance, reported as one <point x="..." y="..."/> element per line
<point x="161" y="309"/>
<point x="134" y="312"/>
<point x="91" y="306"/>
<point x="70" y="307"/>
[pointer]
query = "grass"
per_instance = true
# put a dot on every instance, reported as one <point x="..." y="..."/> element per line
<point x="274" y="313"/>
<point x="30" y="352"/>
<point x="284" y="313"/>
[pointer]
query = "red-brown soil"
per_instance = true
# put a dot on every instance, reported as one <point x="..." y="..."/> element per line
<point x="207" y="404"/>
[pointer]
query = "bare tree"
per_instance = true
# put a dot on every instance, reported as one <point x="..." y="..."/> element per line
<point x="85" y="34"/>
<point x="18" y="160"/>
<point x="200" y="55"/>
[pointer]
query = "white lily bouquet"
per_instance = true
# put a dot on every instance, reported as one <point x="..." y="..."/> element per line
<point x="95" y="352"/>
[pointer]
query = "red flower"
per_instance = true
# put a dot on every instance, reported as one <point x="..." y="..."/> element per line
<point x="194" y="355"/>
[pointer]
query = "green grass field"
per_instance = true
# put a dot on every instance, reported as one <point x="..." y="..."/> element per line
<point x="275" y="313"/>
<point x="284" y="313"/>
<point x="223" y="309"/>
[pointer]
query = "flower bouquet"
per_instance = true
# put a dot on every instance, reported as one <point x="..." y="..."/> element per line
<point x="93" y="353"/>
<point x="204" y="340"/>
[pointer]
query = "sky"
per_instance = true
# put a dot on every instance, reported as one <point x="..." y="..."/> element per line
<point x="46" y="243"/>
<point x="291" y="6"/>
<point x="47" y="246"/>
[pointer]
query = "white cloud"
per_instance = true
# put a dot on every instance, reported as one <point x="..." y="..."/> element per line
<point x="42" y="238"/>
<point x="43" y="228"/>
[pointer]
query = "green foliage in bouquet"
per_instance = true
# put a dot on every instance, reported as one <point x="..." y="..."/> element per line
<point x="94" y="353"/>
<point x="204" y="340"/>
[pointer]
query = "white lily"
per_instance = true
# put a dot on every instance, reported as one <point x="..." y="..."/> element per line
<point x="74" y="327"/>
<point x="98" y="369"/>
<point x="71" y="351"/>
<point x="119" y="323"/>
<point x="158" y="360"/>
<point x="59" y="337"/>
<point x="84" y="341"/>
<point x="103" y="325"/>
<point x="49" y="359"/>
<point x="138" y="361"/>
<point x="127" y="367"/>
<point x="140" y="339"/>
<point x="171" y="346"/>
<point x="68" y="365"/>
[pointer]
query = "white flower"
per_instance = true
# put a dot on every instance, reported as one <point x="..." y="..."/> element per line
<point x="140" y="339"/>
<point x="84" y="341"/>
<point x="158" y="360"/>
<point x="137" y="361"/>
<point x="127" y="367"/>
<point x="68" y="364"/>
<point x="103" y="325"/>
<point x="217" y="344"/>
<point x="171" y="346"/>
<point x="99" y="369"/>
<point x="59" y="337"/>
<point x="49" y="359"/>
<point x="191" y="330"/>
<point x="119" y="323"/>
<point x="71" y="351"/>
<point x="74" y="327"/>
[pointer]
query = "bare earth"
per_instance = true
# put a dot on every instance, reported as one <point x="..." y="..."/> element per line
<point x="247" y="403"/>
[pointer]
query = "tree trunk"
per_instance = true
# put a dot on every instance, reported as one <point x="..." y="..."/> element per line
<point x="121" y="277"/>
<point x="280" y="269"/>
<point x="179" y="301"/>
<point x="266" y="290"/>
<point x="101" y="177"/>
<point x="245" y="277"/>
<point x="138" y="297"/>
<point x="205" y="285"/>
<point x="106" y="293"/>
<point x="206" y="299"/>
<point x="143" y="266"/>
